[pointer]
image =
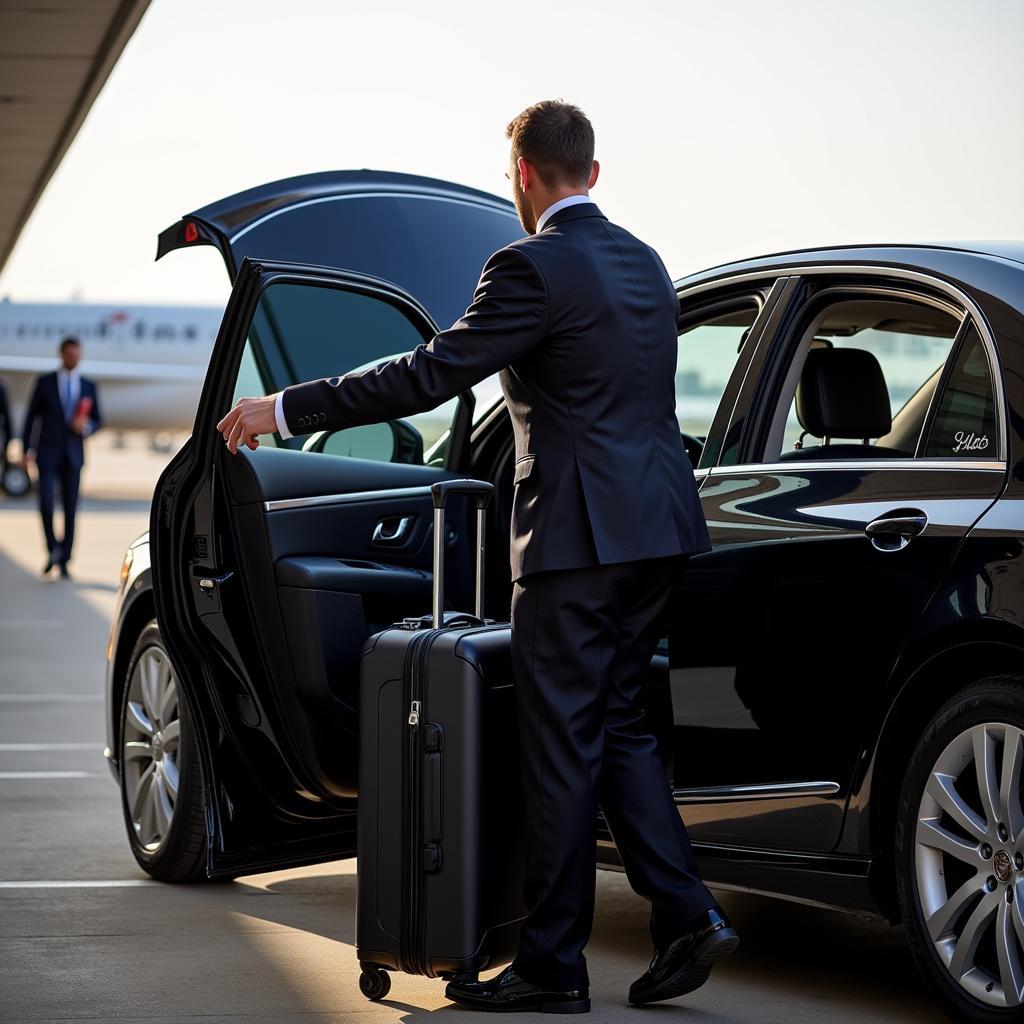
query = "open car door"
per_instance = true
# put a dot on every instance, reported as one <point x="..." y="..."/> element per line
<point x="272" y="567"/>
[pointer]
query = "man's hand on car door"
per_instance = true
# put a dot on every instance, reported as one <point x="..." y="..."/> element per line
<point x="249" y="418"/>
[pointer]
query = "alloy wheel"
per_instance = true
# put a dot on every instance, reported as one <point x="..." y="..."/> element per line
<point x="969" y="860"/>
<point x="150" y="748"/>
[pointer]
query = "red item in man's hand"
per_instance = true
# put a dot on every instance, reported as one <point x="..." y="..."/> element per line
<point x="84" y="407"/>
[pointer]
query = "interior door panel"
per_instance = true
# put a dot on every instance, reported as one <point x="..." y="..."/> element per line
<point x="322" y="584"/>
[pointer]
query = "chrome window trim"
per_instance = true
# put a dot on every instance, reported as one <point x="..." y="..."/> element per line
<point x="914" y="276"/>
<point x="754" y="791"/>
<point x="356" y="497"/>
<point x="363" y="195"/>
<point x="796" y="466"/>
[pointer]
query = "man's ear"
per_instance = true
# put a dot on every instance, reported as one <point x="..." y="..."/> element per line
<point x="525" y="173"/>
<point x="592" y="181"/>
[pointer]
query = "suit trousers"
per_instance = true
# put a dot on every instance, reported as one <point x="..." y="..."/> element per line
<point x="68" y="476"/>
<point x="582" y="643"/>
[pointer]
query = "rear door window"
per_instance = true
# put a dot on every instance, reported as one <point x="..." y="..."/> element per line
<point x="831" y="407"/>
<point x="302" y="333"/>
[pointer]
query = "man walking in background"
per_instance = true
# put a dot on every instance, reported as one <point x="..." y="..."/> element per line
<point x="580" y="318"/>
<point x="63" y="411"/>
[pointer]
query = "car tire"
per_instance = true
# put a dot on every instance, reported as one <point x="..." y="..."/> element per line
<point x="960" y="874"/>
<point x="162" y="795"/>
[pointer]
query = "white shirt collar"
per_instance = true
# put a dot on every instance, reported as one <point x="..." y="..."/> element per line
<point x="560" y="205"/>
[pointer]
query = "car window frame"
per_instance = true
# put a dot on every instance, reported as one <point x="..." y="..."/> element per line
<point x="918" y="281"/>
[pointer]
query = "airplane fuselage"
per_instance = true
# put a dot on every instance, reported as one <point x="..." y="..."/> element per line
<point x="149" y="361"/>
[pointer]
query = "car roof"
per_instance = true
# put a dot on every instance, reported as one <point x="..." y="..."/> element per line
<point x="991" y="266"/>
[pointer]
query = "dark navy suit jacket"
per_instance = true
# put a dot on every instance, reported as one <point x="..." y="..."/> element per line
<point x="581" y="321"/>
<point x="46" y="429"/>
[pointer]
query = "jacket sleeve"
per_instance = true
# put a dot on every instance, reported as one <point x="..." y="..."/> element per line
<point x="31" y="415"/>
<point x="507" y="317"/>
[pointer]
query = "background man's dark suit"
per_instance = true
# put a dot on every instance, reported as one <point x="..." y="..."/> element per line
<point x="580" y="319"/>
<point x="59" y="453"/>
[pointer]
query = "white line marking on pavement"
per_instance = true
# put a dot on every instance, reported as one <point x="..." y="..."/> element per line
<point x="16" y="698"/>
<point x="32" y="623"/>
<point x="110" y="883"/>
<point x="48" y="775"/>
<point x="19" y="748"/>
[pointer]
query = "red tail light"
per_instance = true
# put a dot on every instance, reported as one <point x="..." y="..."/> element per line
<point x="191" y="232"/>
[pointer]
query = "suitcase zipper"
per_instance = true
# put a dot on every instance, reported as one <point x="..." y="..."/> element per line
<point x="408" y="809"/>
<point x="413" y="934"/>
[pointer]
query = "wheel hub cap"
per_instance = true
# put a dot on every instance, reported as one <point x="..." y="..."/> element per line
<point x="152" y="734"/>
<point x="970" y="834"/>
<point x="1003" y="866"/>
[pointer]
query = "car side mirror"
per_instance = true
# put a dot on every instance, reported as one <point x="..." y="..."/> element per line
<point x="395" y="441"/>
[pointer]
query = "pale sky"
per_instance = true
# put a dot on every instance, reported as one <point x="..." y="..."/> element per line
<point x="724" y="129"/>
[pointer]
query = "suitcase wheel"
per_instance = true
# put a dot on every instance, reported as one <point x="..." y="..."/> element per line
<point x="374" y="983"/>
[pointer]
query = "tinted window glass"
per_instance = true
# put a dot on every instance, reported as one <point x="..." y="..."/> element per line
<point x="910" y="344"/>
<point x="965" y="418"/>
<point x="433" y="248"/>
<point x="304" y="332"/>
<point x="707" y="355"/>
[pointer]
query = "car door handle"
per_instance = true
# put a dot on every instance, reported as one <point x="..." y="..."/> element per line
<point x="895" y="530"/>
<point x="210" y="582"/>
<point x="391" y="531"/>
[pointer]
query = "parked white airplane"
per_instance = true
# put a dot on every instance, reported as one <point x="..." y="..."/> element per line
<point x="149" y="361"/>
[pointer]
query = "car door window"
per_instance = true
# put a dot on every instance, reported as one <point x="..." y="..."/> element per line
<point x="302" y="333"/>
<point x="964" y="423"/>
<point x="861" y="380"/>
<point x="708" y="350"/>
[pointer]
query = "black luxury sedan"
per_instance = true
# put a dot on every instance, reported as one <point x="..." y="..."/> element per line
<point x="840" y="701"/>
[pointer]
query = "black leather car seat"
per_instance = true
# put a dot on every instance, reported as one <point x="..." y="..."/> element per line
<point x="842" y="393"/>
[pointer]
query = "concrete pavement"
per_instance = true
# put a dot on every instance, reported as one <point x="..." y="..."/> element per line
<point x="84" y="935"/>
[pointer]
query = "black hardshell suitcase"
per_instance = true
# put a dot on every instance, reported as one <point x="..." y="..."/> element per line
<point x="440" y="831"/>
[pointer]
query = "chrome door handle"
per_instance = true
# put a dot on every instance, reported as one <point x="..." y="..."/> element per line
<point x="383" y="535"/>
<point x="209" y="582"/>
<point x="895" y="530"/>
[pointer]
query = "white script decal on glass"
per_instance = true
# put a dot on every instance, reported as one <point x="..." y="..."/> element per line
<point x="970" y="442"/>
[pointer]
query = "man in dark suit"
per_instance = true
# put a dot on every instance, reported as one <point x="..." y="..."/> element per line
<point x="62" y="412"/>
<point x="580" y="318"/>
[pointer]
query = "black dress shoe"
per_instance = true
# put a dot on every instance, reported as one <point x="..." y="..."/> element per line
<point x="64" y="571"/>
<point x="685" y="963"/>
<point x="48" y="566"/>
<point x="507" y="992"/>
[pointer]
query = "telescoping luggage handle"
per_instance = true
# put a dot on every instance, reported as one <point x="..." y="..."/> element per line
<point x="481" y="492"/>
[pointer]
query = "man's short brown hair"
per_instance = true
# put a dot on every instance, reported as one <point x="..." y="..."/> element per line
<point x="557" y="138"/>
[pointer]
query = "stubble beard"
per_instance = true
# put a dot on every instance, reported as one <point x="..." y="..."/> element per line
<point x="525" y="215"/>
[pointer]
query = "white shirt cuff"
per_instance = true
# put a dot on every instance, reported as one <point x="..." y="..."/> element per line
<point x="282" y="423"/>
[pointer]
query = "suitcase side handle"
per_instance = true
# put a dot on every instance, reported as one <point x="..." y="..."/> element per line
<point x="481" y="492"/>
